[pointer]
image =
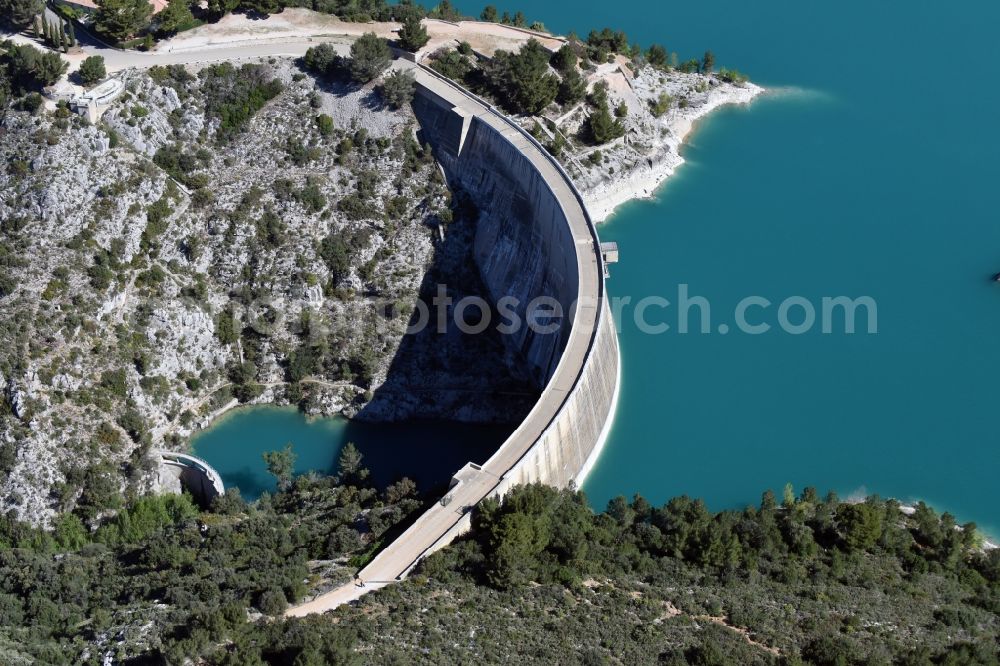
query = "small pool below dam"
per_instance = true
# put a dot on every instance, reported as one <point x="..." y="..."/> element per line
<point x="428" y="452"/>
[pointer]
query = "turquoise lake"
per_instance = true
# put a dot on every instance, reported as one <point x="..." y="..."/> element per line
<point x="871" y="171"/>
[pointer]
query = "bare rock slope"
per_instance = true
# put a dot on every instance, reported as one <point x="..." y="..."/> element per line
<point x="229" y="235"/>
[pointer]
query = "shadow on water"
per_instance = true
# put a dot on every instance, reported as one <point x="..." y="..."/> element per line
<point x="248" y="483"/>
<point x="428" y="452"/>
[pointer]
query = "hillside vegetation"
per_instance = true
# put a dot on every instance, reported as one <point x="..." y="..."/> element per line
<point x="162" y="581"/>
<point x="540" y="579"/>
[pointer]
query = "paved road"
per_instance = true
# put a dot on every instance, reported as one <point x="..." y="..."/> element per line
<point x="116" y="60"/>
<point x="237" y="37"/>
<point x="439" y="523"/>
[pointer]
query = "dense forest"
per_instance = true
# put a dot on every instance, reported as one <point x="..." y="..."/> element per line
<point x="541" y="579"/>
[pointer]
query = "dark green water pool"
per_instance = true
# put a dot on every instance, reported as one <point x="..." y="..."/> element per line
<point x="427" y="452"/>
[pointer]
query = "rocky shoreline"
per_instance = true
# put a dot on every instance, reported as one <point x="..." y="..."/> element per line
<point x="644" y="177"/>
<point x="635" y="165"/>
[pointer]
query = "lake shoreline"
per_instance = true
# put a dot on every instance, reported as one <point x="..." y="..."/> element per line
<point x="643" y="180"/>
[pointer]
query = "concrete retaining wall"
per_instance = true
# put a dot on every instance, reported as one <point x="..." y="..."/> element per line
<point x="523" y="247"/>
<point x="568" y="448"/>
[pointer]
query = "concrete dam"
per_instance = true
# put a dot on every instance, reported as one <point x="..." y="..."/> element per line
<point x="187" y="472"/>
<point x="534" y="238"/>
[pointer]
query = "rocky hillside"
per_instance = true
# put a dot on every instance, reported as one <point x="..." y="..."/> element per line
<point x="234" y="234"/>
<point x="655" y="110"/>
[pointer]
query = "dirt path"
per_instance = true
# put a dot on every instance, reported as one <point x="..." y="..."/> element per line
<point x="296" y="24"/>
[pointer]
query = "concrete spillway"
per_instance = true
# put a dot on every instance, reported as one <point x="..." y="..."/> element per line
<point x="534" y="239"/>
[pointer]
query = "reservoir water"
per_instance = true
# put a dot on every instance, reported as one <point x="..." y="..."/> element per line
<point x="871" y="171"/>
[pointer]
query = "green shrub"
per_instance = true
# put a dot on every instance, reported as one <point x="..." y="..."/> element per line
<point x="92" y="70"/>
<point x="732" y="76"/>
<point x="413" y="35"/>
<point x="7" y="284"/>
<point x="115" y="382"/>
<point x="234" y="96"/>
<point x="397" y="89"/>
<point x="522" y="81"/>
<point x="370" y="56"/>
<point x="661" y="105"/>
<point x="600" y="127"/>
<point x="324" y="124"/>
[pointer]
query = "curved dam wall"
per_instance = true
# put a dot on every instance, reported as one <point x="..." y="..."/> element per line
<point x="533" y="239"/>
<point x="193" y="474"/>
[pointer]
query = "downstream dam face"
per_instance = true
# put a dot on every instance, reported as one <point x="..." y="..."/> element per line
<point x="535" y="246"/>
<point x="192" y="474"/>
<point x="524" y="248"/>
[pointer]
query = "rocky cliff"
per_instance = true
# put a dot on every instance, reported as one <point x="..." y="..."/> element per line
<point x="192" y="251"/>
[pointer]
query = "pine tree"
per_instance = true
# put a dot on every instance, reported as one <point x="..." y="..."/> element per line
<point x="121" y="19"/>
<point x="46" y="35"/>
<point x="63" y="44"/>
<point x="788" y="497"/>
<point x="20" y="13"/>
<point x="71" y="32"/>
<point x="602" y="127"/>
<point x="572" y="88"/>
<point x="708" y="63"/>
<point x="175" y="17"/>
<point x="413" y="35"/>
<point x="281" y="465"/>
<point x="370" y="57"/>
<point x="92" y="70"/>
<point x="36" y="28"/>
<point x="524" y="79"/>
<point x="349" y="465"/>
<point x="656" y="55"/>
